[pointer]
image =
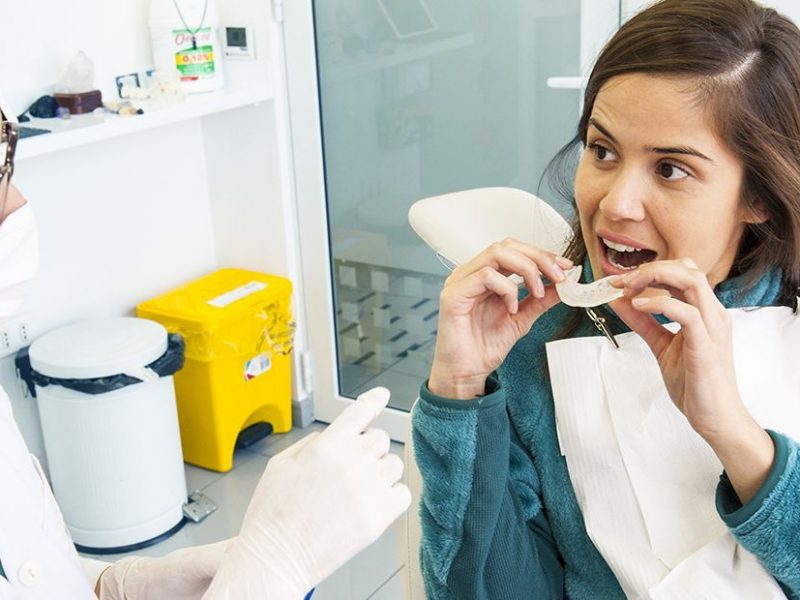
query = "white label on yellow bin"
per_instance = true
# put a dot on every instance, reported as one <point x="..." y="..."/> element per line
<point x="237" y="294"/>
<point x="256" y="366"/>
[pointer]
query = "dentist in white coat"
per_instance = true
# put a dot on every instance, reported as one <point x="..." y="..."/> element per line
<point x="318" y="503"/>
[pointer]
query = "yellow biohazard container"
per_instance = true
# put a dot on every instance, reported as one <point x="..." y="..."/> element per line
<point x="238" y="331"/>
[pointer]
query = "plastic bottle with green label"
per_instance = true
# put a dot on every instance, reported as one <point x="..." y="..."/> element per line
<point x="184" y="38"/>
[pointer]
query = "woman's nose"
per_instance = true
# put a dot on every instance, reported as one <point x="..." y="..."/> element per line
<point x="625" y="197"/>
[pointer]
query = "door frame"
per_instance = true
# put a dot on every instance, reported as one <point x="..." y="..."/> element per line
<point x="309" y="181"/>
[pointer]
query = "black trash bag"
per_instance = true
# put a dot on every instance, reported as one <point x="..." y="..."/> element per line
<point x="167" y="364"/>
<point x="44" y="108"/>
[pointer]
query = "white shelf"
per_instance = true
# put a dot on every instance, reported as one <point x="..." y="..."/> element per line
<point x="86" y="129"/>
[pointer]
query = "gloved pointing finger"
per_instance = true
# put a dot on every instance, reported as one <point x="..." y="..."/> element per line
<point x="359" y="416"/>
<point x="317" y="505"/>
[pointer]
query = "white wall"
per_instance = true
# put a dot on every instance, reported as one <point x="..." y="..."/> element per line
<point x="40" y="38"/>
<point x="244" y="181"/>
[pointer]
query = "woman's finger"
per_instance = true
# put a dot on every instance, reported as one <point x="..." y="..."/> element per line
<point x="684" y="281"/>
<point x="651" y="331"/>
<point x="507" y="261"/>
<point x="688" y="316"/>
<point x="481" y="284"/>
<point x="531" y="308"/>
<point x="549" y="263"/>
<point x="512" y="256"/>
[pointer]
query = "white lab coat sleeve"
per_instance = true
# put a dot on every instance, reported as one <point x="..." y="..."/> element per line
<point x="36" y="551"/>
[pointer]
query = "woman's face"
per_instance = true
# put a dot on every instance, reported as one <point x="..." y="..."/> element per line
<point x="655" y="182"/>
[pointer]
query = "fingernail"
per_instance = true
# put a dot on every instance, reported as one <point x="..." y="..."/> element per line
<point x="563" y="262"/>
<point x="640" y="301"/>
<point x="539" y="292"/>
<point x="558" y="274"/>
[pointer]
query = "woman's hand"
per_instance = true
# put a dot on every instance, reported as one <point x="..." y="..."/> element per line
<point x="481" y="318"/>
<point x="697" y="363"/>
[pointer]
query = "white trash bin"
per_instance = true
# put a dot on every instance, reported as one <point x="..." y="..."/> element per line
<point x="114" y="454"/>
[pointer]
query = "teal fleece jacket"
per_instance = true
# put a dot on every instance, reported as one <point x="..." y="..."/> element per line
<point x="499" y="514"/>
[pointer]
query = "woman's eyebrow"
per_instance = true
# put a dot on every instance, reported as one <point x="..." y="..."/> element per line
<point x="593" y="122"/>
<point x="658" y="150"/>
<point x="680" y="150"/>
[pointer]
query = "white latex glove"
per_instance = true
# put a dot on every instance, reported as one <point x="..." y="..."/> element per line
<point x="182" y="575"/>
<point x="317" y="505"/>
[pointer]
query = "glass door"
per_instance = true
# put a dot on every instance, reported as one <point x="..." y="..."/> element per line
<point x="415" y="98"/>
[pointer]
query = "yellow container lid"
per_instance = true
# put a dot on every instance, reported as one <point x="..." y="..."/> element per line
<point x="225" y="295"/>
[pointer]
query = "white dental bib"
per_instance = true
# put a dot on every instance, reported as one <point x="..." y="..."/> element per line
<point x="644" y="479"/>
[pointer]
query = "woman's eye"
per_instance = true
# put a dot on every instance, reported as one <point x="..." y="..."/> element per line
<point x="601" y="153"/>
<point x="671" y="172"/>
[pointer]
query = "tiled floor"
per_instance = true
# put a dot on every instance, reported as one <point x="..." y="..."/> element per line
<point x="373" y="574"/>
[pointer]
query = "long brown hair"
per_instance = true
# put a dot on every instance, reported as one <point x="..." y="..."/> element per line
<point x="745" y="59"/>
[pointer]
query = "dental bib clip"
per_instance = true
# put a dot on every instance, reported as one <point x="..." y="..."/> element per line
<point x="589" y="296"/>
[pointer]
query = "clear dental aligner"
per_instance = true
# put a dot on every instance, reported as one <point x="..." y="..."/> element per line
<point x="586" y="295"/>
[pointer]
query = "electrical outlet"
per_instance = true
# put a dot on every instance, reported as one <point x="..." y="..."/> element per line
<point x="16" y="335"/>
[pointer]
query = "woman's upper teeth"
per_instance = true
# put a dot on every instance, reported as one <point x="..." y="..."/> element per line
<point x="619" y="247"/>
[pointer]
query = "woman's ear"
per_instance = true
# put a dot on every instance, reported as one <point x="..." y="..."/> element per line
<point x="754" y="212"/>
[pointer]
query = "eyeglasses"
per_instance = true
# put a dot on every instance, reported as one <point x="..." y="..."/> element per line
<point x="9" y="134"/>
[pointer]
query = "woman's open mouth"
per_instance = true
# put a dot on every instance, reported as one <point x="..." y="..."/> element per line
<point x="626" y="258"/>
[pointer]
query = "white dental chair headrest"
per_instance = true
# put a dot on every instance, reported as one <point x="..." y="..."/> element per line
<point x="460" y="225"/>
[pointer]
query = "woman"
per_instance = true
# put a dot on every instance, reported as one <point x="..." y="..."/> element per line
<point x="318" y="504"/>
<point x="538" y="481"/>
